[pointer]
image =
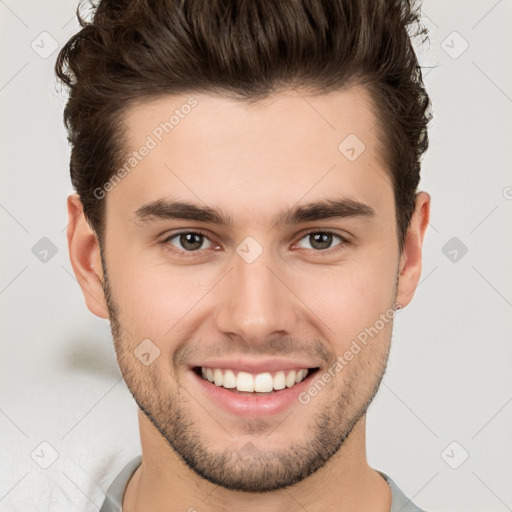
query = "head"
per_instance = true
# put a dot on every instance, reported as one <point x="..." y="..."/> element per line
<point x="246" y="176"/>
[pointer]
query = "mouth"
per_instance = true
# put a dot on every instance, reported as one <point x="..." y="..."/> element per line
<point x="255" y="384"/>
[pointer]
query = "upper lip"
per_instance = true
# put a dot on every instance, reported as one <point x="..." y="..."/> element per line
<point x="257" y="365"/>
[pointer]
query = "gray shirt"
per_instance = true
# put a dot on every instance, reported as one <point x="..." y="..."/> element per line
<point x="114" y="494"/>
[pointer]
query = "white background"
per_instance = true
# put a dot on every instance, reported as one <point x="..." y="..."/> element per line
<point x="449" y="376"/>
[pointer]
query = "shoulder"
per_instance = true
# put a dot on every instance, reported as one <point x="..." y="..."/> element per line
<point x="114" y="495"/>
<point x="399" y="501"/>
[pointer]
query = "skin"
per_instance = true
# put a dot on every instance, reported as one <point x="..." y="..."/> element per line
<point x="294" y="300"/>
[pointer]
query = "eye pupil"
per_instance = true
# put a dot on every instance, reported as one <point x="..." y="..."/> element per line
<point x="321" y="240"/>
<point x="191" y="241"/>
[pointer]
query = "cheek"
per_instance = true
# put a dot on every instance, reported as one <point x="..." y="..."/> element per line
<point x="349" y="298"/>
<point x="154" y="298"/>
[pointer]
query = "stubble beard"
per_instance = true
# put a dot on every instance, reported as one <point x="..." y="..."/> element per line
<point x="249" y="467"/>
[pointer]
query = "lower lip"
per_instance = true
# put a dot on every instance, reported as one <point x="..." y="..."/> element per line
<point x="254" y="404"/>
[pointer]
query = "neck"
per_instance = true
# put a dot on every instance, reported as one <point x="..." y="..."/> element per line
<point x="346" y="482"/>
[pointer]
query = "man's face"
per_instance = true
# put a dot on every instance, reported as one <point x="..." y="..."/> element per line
<point x="256" y="294"/>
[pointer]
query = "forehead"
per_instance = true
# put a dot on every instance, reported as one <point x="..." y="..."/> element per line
<point x="289" y="146"/>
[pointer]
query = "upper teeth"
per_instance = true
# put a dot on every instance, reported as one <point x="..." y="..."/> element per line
<point x="261" y="382"/>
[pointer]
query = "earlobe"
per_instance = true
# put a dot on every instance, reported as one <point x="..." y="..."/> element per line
<point x="411" y="257"/>
<point x="84" y="253"/>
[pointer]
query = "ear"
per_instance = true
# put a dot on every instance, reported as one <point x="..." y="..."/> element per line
<point x="411" y="257"/>
<point x="84" y="252"/>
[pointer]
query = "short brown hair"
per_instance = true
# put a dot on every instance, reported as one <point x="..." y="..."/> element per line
<point x="133" y="50"/>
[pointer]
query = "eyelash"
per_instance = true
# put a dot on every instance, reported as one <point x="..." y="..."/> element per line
<point x="187" y="254"/>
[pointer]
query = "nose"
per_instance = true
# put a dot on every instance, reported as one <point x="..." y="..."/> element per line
<point x="255" y="301"/>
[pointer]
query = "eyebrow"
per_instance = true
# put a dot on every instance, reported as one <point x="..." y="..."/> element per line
<point x="163" y="209"/>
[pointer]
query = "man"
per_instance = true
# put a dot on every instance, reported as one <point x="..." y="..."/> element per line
<point x="247" y="217"/>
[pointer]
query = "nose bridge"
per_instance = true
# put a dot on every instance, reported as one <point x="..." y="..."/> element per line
<point x="254" y="303"/>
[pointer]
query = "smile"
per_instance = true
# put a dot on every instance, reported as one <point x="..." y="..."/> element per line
<point x="265" y="382"/>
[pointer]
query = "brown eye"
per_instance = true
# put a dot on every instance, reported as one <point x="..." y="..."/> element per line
<point x="320" y="240"/>
<point x="188" y="241"/>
